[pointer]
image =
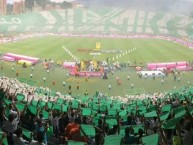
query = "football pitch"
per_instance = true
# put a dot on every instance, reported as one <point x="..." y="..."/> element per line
<point x="139" y="51"/>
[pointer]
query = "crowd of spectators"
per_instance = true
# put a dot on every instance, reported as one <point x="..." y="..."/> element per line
<point x="164" y="119"/>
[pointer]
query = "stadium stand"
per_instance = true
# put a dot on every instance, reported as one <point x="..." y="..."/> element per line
<point x="56" y="118"/>
<point x="137" y="119"/>
<point x="107" y="20"/>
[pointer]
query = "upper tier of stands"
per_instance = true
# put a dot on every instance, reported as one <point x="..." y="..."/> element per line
<point x="105" y="20"/>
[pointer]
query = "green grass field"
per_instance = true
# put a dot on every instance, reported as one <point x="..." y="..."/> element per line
<point x="147" y="50"/>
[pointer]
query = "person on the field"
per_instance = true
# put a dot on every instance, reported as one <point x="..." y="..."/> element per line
<point x="69" y="91"/>
<point x="119" y="83"/>
<point x="77" y="86"/>
<point x="86" y="93"/>
<point x="44" y="79"/>
<point x="54" y="82"/>
<point x="153" y="77"/>
<point x="128" y="77"/>
<point x="31" y="75"/>
<point x="132" y="86"/>
<point x="174" y="77"/>
<point x="17" y="73"/>
<point x="178" y="78"/>
<point x="109" y="87"/>
<point x="67" y="74"/>
<point x="162" y="81"/>
<point x="64" y="84"/>
<point x="86" y="77"/>
<point x="118" y="80"/>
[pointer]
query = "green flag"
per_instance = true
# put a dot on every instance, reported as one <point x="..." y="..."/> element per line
<point x="20" y="97"/>
<point x="88" y="129"/>
<point x="20" y="106"/>
<point x="179" y="112"/>
<point x="150" y="114"/>
<point x="60" y="101"/>
<point x="57" y="107"/>
<point x="113" y="140"/>
<point x="150" y="140"/>
<point x="27" y="133"/>
<point x="111" y="122"/>
<point x="45" y="114"/>
<point x="135" y="127"/>
<point x="170" y="124"/>
<point x="112" y="112"/>
<point x="86" y="111"/>
<point x="70" y="142"/>
<point x="64" y="108"/>
<point x="164" y="116"/>
<point x="123" y="113"/>
<point x="33" y="109"/>
<point x="166" y="108"/>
